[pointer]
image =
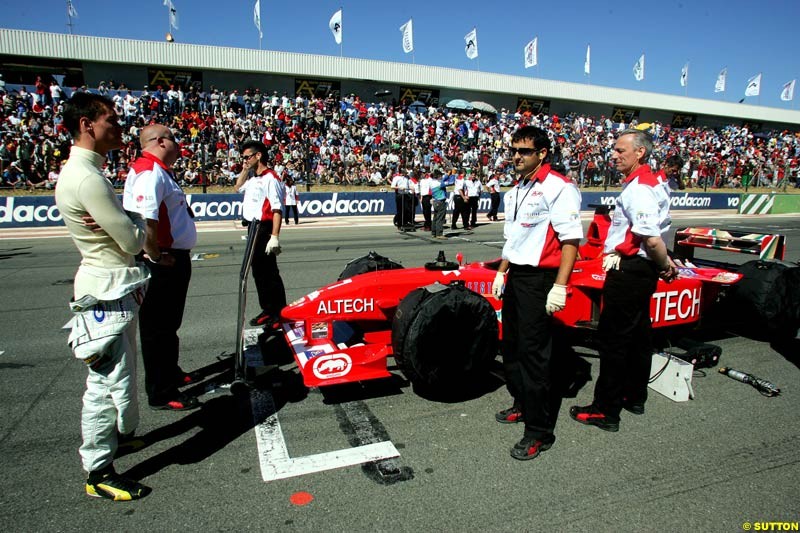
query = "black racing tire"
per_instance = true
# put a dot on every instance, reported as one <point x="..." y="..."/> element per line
<point x="372" y="262"/>
<point x="444" y="336"/>
<point x="766" y="302"/>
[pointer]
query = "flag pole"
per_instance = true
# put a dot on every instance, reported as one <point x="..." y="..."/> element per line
<point x="69" y="18"/>
<point x="478" y="62"/>
<point x="413" y="59"/>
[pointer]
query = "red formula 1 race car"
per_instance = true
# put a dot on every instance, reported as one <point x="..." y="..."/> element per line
<point x="440" y="321"/>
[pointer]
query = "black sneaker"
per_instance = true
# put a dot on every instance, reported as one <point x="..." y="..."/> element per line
<point x="591" y="416"/>
<point x="512" y="415"/>
<point x="636" y="408"/>
<point x="181" y="403"/>
<point x="114" y="487"/>
<point x="529" y="448"/>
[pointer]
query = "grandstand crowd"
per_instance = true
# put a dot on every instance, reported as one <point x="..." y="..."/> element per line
<point x="349" y="141"/>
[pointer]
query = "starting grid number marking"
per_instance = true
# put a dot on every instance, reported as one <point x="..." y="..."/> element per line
<point x="274" y="456"/>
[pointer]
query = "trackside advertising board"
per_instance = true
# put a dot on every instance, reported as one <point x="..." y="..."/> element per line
<point x="41" y="211"/>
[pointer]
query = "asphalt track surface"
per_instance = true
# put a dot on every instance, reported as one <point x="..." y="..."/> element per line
<point x="728" y="457"/>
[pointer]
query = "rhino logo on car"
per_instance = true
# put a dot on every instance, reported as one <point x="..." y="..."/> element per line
<point x="332" y="365"/>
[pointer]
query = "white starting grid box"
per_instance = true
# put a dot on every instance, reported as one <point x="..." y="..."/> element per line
<point x="673" y="377"/>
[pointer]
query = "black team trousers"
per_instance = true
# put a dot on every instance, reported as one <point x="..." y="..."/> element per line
<point x="625" y="335"/>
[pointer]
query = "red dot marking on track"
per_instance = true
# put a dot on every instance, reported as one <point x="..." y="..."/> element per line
<point x="301" y="498"/>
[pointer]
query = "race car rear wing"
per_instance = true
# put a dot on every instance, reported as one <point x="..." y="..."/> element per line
<point x="764" y="245"/>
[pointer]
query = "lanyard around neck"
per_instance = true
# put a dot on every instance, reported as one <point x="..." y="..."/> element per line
<point x="519" y="202"/>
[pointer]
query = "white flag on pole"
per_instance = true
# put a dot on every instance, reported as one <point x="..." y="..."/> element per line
<point x="753" y="86"/>
<point x="71" y="10"/>
<point x="408" y="36"/>
<point x="531" y="53"/>
<point x="335" y="24"/>
<point x="173" y="14"/>
<point x="719" y="87"/>
<point x="471" y="44"/>
<point x="685" y="75"/>
<point x="638" y="69"/>
<point x="787" y="94"/>
<point x="587" y="65"/>
<point x="257" y="17"/>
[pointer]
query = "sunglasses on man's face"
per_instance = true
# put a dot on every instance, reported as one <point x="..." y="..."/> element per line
<point x="522" y="151"/>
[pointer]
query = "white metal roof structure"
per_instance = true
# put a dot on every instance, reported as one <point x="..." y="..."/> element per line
<point x="153" y="53"/>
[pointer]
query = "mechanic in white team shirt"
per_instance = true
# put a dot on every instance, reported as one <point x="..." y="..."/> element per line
<point x="151" y="191"/>
<point x="635" y="257"/>
<point x="542" y="231"/>
<point x="264" y="195"/>
<point x="472" y="188"/>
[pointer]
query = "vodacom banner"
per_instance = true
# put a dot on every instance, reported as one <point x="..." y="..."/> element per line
<point x="41" y="211"/>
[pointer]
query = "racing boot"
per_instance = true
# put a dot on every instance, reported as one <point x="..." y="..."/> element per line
<point x="106" y="483"/>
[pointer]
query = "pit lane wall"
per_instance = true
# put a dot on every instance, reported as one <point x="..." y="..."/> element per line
<point x="41" y="211"/>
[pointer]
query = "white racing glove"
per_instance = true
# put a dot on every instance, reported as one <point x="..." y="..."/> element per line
<point x="498" y="285"/>
<point x="611" y="261"/>
<point x="273" y="246"/>
<point x="556" y="299"/>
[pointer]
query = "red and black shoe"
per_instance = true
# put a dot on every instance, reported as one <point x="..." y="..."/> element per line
<point x="512" y="415"/>
<point x="529" y="448"/>
<point x="186" y="379"/>
<point x="265" y="319"/>
<point x="592" y="416"/>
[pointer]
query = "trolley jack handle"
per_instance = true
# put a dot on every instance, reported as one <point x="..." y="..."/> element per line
<point x="240" y="366"/>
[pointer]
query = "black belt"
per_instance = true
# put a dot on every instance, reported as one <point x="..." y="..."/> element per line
<point x="529" y="268"/>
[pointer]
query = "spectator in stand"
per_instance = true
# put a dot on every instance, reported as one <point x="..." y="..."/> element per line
<point x="13" y="176"/>
<point x="348" y="140"/>
<point x="52" y="176"/>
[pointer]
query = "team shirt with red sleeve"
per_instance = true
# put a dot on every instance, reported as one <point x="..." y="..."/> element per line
<point x="263" y="195"/>
<point x="151" y="191"/>
<point x="642" y="211"/>
<point x="540" y="213"/>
